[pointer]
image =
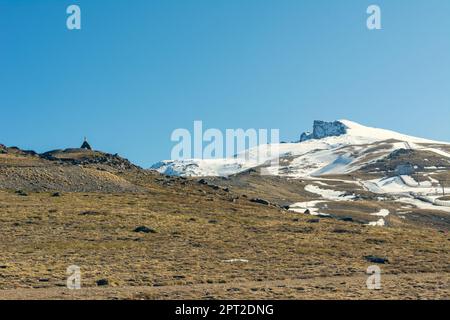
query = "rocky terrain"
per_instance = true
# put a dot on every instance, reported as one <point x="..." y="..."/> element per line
<point x="140" y="234"/>
<point x="70" y="170"/>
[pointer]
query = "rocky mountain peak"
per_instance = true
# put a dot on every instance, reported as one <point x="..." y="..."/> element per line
<point x="323" y="129"/>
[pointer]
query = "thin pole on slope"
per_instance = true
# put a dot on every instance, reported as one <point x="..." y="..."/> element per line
<point x="408" y="146"/>
<point x="442" y="182"/>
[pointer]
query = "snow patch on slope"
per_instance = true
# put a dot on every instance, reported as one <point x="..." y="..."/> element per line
<point x="325" y="193"/>
<point x="382" y="213"/>
<point x="378" y="223"/>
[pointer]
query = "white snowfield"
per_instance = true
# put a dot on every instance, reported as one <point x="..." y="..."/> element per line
<point x="424" y="204"/>
<point x="382" y="213"/>
<point x="400" y="184"/>
<point x="311" y="206"/>
<point x="332" y="195"/>
<point x="378" y="223"/>
<point x="326" y="194"/>
<point x="312" y="158"/>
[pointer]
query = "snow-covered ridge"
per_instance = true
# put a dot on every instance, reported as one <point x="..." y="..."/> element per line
<point x="357" y="130"/>
<point x="336" y="147"/>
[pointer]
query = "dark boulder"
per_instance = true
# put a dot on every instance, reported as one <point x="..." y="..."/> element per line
<point x="21" y="193"/>
<point x="375" y="259"/>
<point x="260" y="201"/>
<point x="144" y="229"/>
<point x="102" y="282"/>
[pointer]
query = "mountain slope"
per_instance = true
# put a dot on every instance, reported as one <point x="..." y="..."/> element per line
<point x="337" y="147"/>
<point x="77" y="170"/>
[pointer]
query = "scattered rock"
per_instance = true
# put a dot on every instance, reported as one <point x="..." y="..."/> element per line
<point x="375" y="259"/>
<point x="212" y="221"/>
<point x="89" y="213"/>
<point x="56" y="194"/>
<point x="21" y="193"/>
<point x="144" y="229"/>
<point x="158" y="284"/>
<point x="339" y="230"/>
<point x="260" y="201"/>
<point x="102" y="282"/>
<point x="307" y="211"/>
<point x="202" y="181"/>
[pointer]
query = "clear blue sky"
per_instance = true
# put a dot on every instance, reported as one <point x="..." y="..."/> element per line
<point x="139" y="69"/>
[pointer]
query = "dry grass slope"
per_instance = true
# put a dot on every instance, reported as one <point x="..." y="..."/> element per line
<point x="198" y="230"/>
<point x="42" y="235"/>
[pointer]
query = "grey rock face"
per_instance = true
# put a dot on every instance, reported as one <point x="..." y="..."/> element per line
<point x="323" y="129"/>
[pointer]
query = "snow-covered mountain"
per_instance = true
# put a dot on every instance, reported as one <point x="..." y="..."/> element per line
<point x="337" y="147"/>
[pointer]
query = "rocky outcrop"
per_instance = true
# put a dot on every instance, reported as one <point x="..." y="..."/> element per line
<point x="88" y="157"/>
<point x="323" y="129"/>
<point x="63" y="178"/>
<point x="69" y="170"/>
